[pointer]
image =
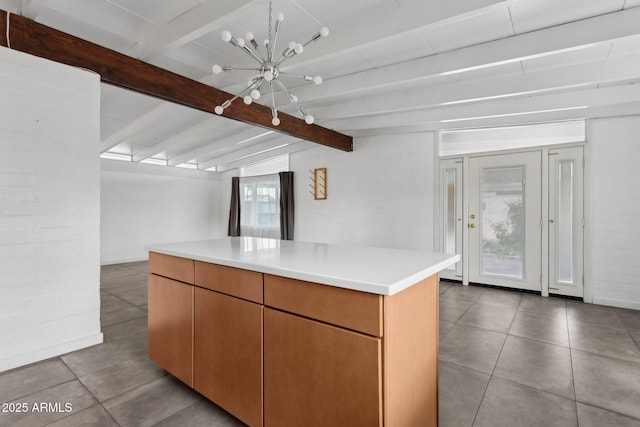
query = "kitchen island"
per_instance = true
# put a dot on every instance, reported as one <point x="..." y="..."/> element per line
<point x="284" y="333"/>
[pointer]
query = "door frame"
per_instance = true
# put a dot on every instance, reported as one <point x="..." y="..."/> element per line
<point x="587" y="294"/>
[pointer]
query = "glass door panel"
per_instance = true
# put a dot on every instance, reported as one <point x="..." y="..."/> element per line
<point x="565" y="221"/>
<point x="504" y="220"/>
<point x="501" y="223"/>
<point x="451" y="214"/>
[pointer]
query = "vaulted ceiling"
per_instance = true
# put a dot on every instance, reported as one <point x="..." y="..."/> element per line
<point x="389" y="66"/>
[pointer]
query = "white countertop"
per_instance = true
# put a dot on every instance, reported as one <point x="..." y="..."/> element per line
<point x="381" y="271"/>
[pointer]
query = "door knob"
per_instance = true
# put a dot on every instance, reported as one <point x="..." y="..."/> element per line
<point x="472" y="225"/>
<point x="472" y="216"/>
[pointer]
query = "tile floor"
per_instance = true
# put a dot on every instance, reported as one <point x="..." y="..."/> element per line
<point x="507" y="359"/>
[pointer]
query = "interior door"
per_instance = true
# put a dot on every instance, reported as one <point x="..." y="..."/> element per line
<point x="504" y="220"/>
<point x="451" y="214"/>
<point x="566" y="221"/>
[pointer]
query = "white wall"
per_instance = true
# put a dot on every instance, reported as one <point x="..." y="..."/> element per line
<point x="144" y="204"/>
<point x="49" y="209"/>
<point x="381" y="194"/>
<point x="612" y="264"/>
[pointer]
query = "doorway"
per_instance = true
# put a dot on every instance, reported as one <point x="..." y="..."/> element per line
<point x="516" y="219"/>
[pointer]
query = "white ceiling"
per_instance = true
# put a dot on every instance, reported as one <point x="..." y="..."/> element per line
<point x="388" y="66"/>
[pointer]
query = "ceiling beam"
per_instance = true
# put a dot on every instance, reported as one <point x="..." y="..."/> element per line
<point x="549" y="41"/>
<point x="120" y="70"/>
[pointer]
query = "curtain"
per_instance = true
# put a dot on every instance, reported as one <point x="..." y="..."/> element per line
<point x="234" y="209"/>
<point x="287" y="206"/>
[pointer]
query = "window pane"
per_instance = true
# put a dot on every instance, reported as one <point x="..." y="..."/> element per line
<point x="565" y="222"/>
<point x="502" y="221"/>
<point x="260" y="206"/>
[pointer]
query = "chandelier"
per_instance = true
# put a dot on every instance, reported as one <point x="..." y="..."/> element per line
<point x="268" y="68"/>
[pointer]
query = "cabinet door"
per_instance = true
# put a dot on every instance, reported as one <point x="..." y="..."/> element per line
<point x="228" y="353"/>
<point x="171" y="326"/>
<point x="319" y="375"/>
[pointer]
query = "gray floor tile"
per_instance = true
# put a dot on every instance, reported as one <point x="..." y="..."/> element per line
<point x="607" y="383"/>
<point x="550" y="306"/>
<point x="603" y="340"/>
<point x="132" y="329"/>
<point x="463" y="293"/>
<point x="592" y="313"/>
<point x="460" y="393"/>
<point x="590" y="416"/>
<point x="493" y="317"/>
<point x="201" y="414"/>
<point x="151" y="403"/>
<point x="506" y="404"/>
<point x="630" y="318"/>
<point x="451" y="310"/>
<point x="136" y="296"/>
<point x="543" y="366"/>
<point x="635" y="334"/>
<point x="110" y="303"/>
<point x="121" y="377"/>
<point x="93" y="416"/>
<point x="72" y="393"/>
<point x="500" y="298"/>
<point x="33" y="378"/>
<point x="473" y="348"/>
<point x="119" y="316"/>
<point x="542" y="327"/>
<point x="445" y="327"/>
<point x="83" y="362"/>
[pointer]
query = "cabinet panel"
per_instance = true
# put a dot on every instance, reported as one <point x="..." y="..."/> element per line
<point x="237" y="282"/>
<point x="171" y="266"/>
<point x="360" y="311"/>
<point x="319" y="375"/>
<point x="170" y="324"/>
<point x="228" y="353"/>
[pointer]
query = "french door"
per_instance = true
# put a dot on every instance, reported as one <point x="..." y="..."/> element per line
<point x="516" y="219"/>
<point x="504" y="220"/>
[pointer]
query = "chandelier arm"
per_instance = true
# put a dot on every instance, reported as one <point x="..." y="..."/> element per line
<point x="315" y="37"/>
<point x="291" y="98"/>
<point x="274" y="110"/>
<point x="251" y="53"/>
<point x="229" y="68"/>
<point x="288" y="53"/>
<point x="273" y="42"/>
<point x="303" y="77"/>
<point x="228" y="102"/>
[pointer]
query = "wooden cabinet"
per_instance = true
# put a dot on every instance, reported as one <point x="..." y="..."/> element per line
<point x="228" y="353"/>
<point x="279" y="352"/>
<point x="170" y="324"/>
<point x="319" y="375"/>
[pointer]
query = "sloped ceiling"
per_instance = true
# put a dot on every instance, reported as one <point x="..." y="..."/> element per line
<point x="388" y="66"/>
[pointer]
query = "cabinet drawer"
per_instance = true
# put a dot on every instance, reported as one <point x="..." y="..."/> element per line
<point x="232" y="281"/>
<point x="359" y="311"/>
<point x="171" y="266"/>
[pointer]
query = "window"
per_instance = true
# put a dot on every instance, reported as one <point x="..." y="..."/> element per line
<point x="260" y="206"/>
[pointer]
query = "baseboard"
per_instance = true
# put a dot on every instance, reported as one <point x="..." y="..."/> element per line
<point x="617" y="303"/>
<point x="53" y="351"/>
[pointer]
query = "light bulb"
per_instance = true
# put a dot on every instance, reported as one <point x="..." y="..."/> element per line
<point x="280" y="16"/>
<point x="241" y="42"/>
<point x="255" y="94"/>
<point x="248" y="99"/>
<point x="324" y="31"/>
<point x="309" y="119"/>
<point x="216" y="69"/>
<point x="275" y="121"/>
<point x="268" y="75"/>
<point x="218" y="110"/>
<point x="299" y="48"/>
<point x="292" y="45"/>
<point x="294" y="98"/>
<point x="317" y="80"/>
<point x="226" y="36"/>
<point x="266" y="42"/>
<point x="249" y="36"/>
